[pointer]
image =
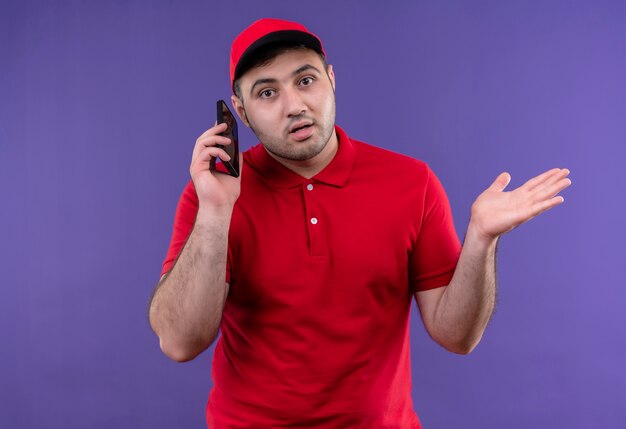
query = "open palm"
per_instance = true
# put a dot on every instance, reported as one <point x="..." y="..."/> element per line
<point x="496" y="212"/>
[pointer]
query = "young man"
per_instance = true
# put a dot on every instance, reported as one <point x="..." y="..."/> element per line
<point x="308" y="262"/>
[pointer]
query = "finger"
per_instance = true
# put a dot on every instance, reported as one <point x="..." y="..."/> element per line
<point x="564" y="172"/>
<point x="212" y="140"/>
<point x="501" y="182"/>
<point x="554" y="189"/>
<point x="537" y="180"/>
<point x="212" y="152"/>
<point x="203" y="159"/>
<point x="542" y="206"/>
<point x="209" y="141"/>
<point x="215" y="129"/>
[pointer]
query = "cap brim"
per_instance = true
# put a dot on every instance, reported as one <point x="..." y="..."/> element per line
<point x="295" y="36"/>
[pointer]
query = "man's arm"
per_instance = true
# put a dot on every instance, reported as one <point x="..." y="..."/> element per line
<point x="456" y="315"/>
<point x="186" y="307"/>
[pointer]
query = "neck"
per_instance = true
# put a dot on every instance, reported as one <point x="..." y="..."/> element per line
<point x="310" y="167"/>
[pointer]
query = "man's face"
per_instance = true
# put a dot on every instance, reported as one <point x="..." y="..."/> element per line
<point x="290" y="104"/>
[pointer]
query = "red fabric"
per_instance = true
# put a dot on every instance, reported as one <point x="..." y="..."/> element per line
<point x="257" y="30"/>
<point x="315" y="327"/>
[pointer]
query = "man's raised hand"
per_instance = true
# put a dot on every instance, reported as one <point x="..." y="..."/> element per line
<point x="496" y="212"/>
<point x="215" y="190"/>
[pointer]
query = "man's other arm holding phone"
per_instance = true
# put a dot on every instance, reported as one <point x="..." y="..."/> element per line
<point x="186" y="308"/>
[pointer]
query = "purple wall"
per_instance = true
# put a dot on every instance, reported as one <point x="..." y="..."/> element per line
<point x="101" y="103"/>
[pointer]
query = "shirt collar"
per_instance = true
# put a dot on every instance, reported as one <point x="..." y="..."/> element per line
<point x="336" y="173"/>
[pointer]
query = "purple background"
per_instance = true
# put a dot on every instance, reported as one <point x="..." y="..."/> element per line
<point x="101" y="103"/>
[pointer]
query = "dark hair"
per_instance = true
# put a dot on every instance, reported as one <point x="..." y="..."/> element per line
<point x="266" y="56"/>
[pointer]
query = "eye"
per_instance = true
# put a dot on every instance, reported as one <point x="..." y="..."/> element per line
<point x="266" y="93"/>
<point x="306" y="81"/>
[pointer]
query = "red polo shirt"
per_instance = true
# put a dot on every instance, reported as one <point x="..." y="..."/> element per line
<point x="322" y="273"/>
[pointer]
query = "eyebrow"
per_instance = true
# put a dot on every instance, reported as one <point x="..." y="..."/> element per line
<point x="293" y="74"/>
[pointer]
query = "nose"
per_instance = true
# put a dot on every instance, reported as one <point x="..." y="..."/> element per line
<point x="294" y="104"/>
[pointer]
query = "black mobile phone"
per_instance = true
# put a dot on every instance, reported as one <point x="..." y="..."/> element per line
<point x="224" y="115"/>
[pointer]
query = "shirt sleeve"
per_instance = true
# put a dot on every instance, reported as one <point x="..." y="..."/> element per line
<point x="437" y="248"/>
<point x="184" y="220"/>
<point x="183" y="224"/>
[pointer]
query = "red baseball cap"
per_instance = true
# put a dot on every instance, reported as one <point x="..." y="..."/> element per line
<point x="263" y="32"/>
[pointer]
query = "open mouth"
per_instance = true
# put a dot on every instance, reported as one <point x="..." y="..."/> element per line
<point x="303" y="132"/>
<point x="300" y="128"/>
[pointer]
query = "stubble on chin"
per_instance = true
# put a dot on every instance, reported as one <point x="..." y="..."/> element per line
<point x="295" y="151"/>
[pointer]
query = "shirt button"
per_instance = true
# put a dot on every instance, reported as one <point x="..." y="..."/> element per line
<point x="309" y="187"/>
<point x="314" y="220"/>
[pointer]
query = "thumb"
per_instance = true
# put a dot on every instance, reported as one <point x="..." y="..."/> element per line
<point x="501" y="182"/>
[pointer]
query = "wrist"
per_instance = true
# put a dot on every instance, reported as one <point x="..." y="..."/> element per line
<point x="212" y="215"/>
<point x="476" y="235"/>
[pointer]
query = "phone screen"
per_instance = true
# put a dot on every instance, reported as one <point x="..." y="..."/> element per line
<point x="224" y="115"/>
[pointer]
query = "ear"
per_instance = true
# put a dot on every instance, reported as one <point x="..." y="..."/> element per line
<point x="331" y="75"/>
<point x="241" y="112"/>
